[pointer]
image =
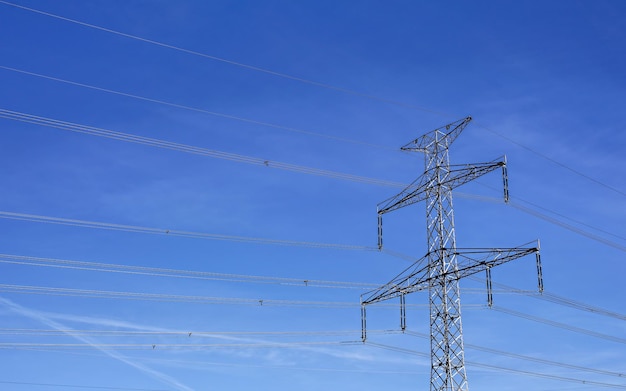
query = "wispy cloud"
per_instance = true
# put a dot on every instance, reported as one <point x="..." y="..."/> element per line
<point x="41" y="317"/>
<point x="269" y="356"/>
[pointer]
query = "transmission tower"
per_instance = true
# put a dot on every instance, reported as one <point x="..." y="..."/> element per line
<point x="444" y="264"/>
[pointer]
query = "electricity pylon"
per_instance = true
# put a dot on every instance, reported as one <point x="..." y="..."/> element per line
<point x="444" y="265"/>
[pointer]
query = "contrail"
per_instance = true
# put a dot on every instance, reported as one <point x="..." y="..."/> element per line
<point x="36" y="315"/>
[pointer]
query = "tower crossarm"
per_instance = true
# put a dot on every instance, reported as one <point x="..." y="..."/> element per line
<point x="456" y="176"/>
<point x="418" y="276"/>
<point x="399" y="285"/>
<point x="446" y="134"/>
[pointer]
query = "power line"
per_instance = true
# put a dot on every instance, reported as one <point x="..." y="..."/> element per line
<point x="572" y="220"/>
<point x="560" y="300"/>
<point x="528" y="358"/>
<point x="192" y="274"/>
<point x="20" y="383"/>
<point x="288" y="367"/>
<point x="101" y="333"/>
<point x="287" y="128"/>
<point x="178" y="273"/>
<point x="547" y="376"/>
<point x="171" y="232"/>
<point x="199" y="110"/>
<point x="230" y="62"/>
<point x="556" y="162"/>
<point x="559" y="325"/>
<point x="256" y="302"/>
<point x="148" y="346"/>
<point x="49" y="122"/>
<point x="552" y="219"/>
<point x="189" y="334"/>
<point x="270" y="302"/>
<point x="190" y="234"/>
<point x="126" y="137"/>
<point x="569" y="227"/>
<point x="186" y="334"/>
<point x="578" y="305"/>
<point x="500" y="368"/>
<point x="310" y="82"/>
<point x="162" y="297"/>
<point x="249" y="365"/>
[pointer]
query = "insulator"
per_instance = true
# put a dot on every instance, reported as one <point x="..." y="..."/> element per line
<point x="489" y="287"/>
<point x="402" y="312"/>
<point x="505" y="181"/>
<point x="380" y="231"/>
<point x="363" y="324"/>
<point x="539" y="273"/>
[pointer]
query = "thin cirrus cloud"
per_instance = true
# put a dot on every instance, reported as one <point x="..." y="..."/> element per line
<point x="42" y="318"/>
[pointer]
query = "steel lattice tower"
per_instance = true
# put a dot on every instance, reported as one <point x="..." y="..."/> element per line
<point x="444" y="265"/>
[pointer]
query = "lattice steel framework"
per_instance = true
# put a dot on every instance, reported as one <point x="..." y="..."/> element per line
<point x="444" y="265"/>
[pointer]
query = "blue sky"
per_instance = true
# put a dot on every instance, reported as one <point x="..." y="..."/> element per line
<point x="336" y="86"/>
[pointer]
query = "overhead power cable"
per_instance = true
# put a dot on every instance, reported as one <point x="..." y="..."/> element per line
<point x="310" y="82"/>
<point x="71" y="346"/>
<point x="162" y="297"/>
<point x="546" y="296"/>
<point x="148" y="346"/>
<point x="276" y="126"/>
<point x="152" y="142"/>
<point x="81" y="386"/>
<point x="127" y="137"/>
<point x="199" y="110"/>
<point x="560" y="325"/>
<point x="43" y="121"/>
<point x="290" y="367"/>
<point x="569" y="227"/>
<point x="554" y="220"/>
<point x="178" y="273"/>
<point x="194" y="334"/>
<point x="193" y="274"/>
<point x="186" y="334"/>
<point x="604" y="231"/>
<point x="528" y="358"/>
<point x="556" y="299"/>
<point x="92" y="293"/>
<point x="172" y="232"/>
<point x="555" y="162"/>
<point x="498" y="368"/>
<point x="230" y="62"/>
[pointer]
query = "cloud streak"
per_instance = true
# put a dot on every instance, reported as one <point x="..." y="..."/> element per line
<point x="42" y="318"/>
